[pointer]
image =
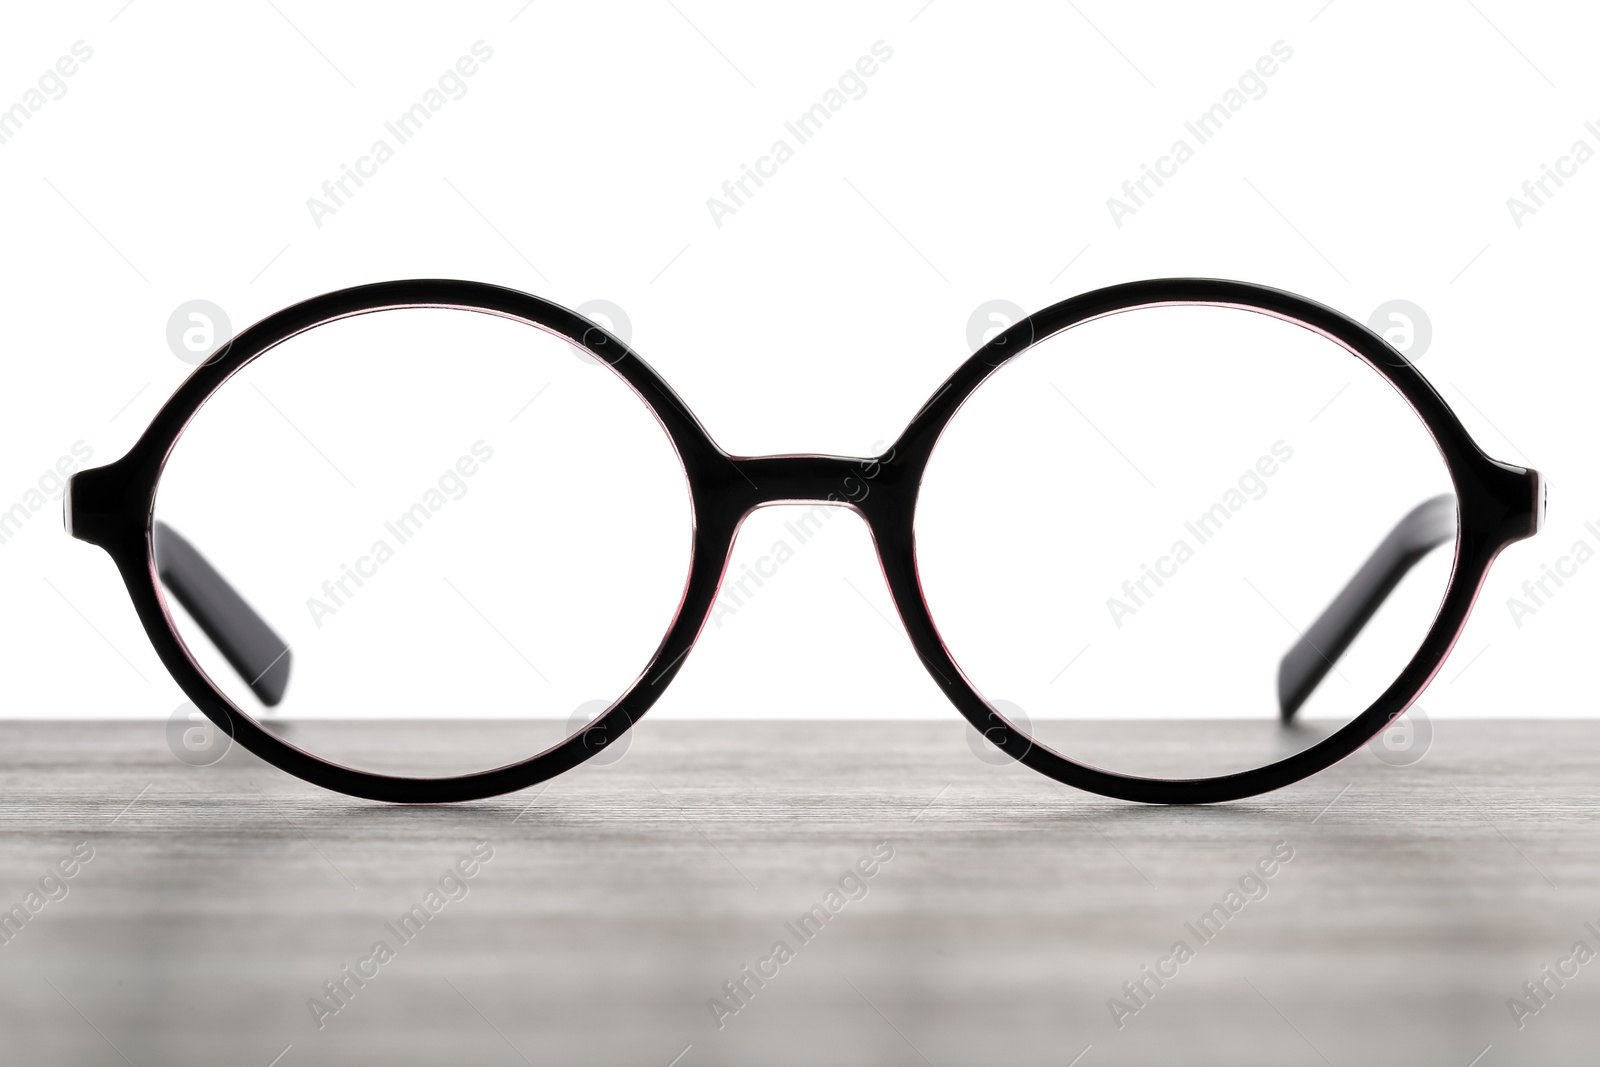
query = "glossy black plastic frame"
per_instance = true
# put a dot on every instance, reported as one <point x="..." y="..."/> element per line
<point x="1497" y="504"/>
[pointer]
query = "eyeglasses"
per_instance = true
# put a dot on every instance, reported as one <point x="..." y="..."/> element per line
<point x="478" y="515"/>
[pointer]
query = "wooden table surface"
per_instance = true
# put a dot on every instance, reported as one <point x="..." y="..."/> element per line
<point x="617" y="902"/>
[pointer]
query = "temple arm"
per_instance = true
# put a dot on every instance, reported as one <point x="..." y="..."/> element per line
<point x="249" y="645"/>
<point x="1428" y="525"/>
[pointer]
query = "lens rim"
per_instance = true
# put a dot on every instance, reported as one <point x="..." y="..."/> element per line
<point x="112" y="506"/>
<point x="1499" y="504"/>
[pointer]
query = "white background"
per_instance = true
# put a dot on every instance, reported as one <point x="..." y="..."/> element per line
<point x="823" y="313"/>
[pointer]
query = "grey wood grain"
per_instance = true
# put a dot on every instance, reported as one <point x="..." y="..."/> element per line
<point x="619" y="899"/>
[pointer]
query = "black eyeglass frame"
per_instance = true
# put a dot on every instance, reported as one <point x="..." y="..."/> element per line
<point x="112" y="506"/>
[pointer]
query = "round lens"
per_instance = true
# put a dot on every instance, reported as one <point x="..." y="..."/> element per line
<point x="419" y="542"/>
<point x="1187" y="541"/>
